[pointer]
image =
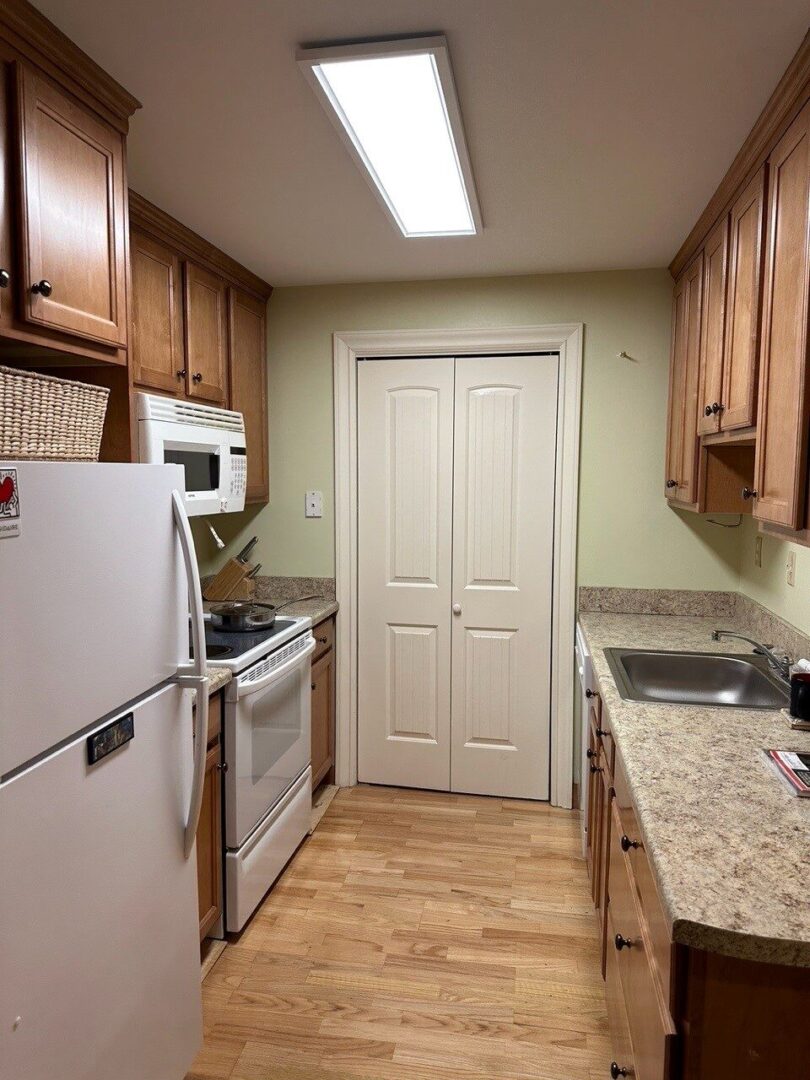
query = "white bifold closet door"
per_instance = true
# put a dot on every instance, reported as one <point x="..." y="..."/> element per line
<point x="456" y="482"/>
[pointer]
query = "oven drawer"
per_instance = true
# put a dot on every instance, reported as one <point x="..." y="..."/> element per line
<point x="250" y="871"/>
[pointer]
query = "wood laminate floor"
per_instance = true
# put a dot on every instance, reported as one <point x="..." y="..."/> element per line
<point x="417" y="936"/>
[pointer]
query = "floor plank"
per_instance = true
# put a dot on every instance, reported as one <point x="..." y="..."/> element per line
<point x="417" y="935"/>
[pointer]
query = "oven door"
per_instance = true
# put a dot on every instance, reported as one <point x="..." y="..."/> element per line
<point x="267" y="735"/>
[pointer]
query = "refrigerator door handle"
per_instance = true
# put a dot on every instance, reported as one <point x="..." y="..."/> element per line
<point x="193" y="675"/>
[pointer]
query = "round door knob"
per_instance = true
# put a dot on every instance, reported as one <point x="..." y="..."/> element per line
<point x="622" y="943"/>
<point x="591" y="693"/>
<point x="223" y="766"/>
<point x="616" y="1071"/>
<point x="5" y="279"/>
<point x="456" y="609"/>
<point x="748" y="493"/>
<point x="627" y="843"/>
<point x="181" y="374"/>
<point x="672" y="483"/>
<point x="43" y="288"/>
<point x="197" y="376"/>
<point x="707" y="411"/>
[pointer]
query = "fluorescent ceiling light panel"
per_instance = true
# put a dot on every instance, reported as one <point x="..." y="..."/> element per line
<point x="395" y="105"/>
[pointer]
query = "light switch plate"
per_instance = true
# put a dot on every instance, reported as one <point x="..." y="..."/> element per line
<point x="314" y="504"/>
<point x="790" y="568"/>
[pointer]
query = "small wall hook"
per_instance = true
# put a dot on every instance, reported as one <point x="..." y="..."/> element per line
<point x="626" y="356"/>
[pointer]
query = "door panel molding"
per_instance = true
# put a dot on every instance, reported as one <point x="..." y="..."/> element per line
<point x="348" y="349"/>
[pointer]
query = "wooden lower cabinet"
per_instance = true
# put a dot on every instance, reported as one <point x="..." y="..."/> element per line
<point x="677" y="1013"/>
<point x="323" y="702"/>
<point x="209" y="830"/>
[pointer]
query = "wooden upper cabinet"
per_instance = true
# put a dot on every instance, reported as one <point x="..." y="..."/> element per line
<point x="7" y="282"/>
<point x="743" y="308"/>
<point x="784" y="385"/>
<point x="206" y="336"/>
<point x="715" y="272"/>
<point x="73" y="202"/>
<point x="247" y="341"/>
<point x="682" y="438"/>
<point x="156" y="344"/>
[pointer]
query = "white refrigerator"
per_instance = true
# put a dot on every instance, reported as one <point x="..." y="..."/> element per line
<point x="100" y="776"/>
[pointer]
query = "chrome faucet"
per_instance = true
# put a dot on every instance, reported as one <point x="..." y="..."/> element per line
<point x="780" y="664"/>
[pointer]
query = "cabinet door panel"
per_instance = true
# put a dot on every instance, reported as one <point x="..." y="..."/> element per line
<point x="323" y="712"/>
<point x="73" y="195"/>
<point x="682" y="441"/>
<point x="743" y="308"/>
<point x="783" y="388"/>
<point x="156" y="347"/>
<point x="7" y="282"/>
<point x="206" y="336"/>
<point x="209" y="845"/>
<point x="713" y="331"/>
<point x="248" y="370"/>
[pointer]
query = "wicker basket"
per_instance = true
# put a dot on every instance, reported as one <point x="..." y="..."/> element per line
<point x="47" y="419"/>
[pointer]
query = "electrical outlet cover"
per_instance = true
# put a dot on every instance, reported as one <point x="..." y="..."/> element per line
<point x="313" y="504"/>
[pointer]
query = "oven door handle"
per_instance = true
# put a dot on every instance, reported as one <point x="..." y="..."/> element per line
<point x="242" y="689"/>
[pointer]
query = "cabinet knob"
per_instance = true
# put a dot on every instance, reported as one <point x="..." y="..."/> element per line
<point x="616" y="1071"/>
<point x="43" y="288"/>
<point x="312" y="686"/>
<point x="601" y="732"/>
<point x="197" y="376"/>
<point x="596" y="768"/>
<point x="5" y="279"/>
<point x="707" y="411"/>
<point x="590" y="753"/>
<point x="591" y="693"/>
<point x="748" y="493"/>
<point x="622" y="943"/>
<point x="181" y="374"/>
<point x="323" y="640"/>
<point x="717" y="407"/>
<point x="627" y="843"/>
<point x="672" y="483"/>
<point x="223" y="766"/>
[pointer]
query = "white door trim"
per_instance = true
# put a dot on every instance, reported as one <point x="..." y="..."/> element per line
<point x="348" y="347"/>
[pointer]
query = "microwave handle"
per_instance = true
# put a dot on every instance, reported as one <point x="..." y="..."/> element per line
<point x="277" y="673"/>
<point x="193" y="675"/>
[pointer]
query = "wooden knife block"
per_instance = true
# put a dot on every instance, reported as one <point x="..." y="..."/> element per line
<point x="231" y="583"/>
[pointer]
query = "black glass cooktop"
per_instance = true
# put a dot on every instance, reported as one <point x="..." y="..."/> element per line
<point x="222" y="644"/>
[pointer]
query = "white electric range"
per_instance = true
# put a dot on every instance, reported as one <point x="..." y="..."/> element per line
<point x="268" y="779"/>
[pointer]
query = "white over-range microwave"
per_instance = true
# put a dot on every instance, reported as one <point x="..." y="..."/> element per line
<point x="208" y="442"/>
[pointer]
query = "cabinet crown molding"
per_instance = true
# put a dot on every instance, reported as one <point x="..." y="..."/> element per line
<point x="149" y="218"/>
<point x="37" y="39"/>
<point x="791" y="93"/>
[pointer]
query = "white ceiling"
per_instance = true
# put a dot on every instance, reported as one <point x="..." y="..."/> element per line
<point x="597" y="130"/>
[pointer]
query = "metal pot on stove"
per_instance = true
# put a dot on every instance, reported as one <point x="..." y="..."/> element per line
<point x="242" y="616"/>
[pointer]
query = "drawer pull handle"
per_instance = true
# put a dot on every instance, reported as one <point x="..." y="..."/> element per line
<point x="627" y="843"/>
<point x="591" y="693"/>
<point x="616" y="1071"/>
<point x="622" y="943"/>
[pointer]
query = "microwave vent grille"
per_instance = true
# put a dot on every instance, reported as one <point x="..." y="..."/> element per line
<point x="154" y="407"/>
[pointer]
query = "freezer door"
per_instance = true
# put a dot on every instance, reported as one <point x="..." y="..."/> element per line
<point x="93" y="599"/>
<point x="99" y="931"/>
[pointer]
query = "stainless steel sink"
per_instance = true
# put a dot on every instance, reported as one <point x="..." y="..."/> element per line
<point x="696" y="678"/>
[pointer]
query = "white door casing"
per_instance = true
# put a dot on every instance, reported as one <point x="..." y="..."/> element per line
<point x="404" y="486"/>
<point x="503" y="547"/>
<point x="348" y="348"/>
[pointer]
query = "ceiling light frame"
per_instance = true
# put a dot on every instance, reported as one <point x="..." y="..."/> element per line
<point x="309" y="59"/>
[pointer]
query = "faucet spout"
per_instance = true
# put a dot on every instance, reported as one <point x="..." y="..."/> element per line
<point x="780" y="664"/>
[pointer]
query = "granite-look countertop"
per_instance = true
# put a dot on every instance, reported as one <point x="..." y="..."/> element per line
<point x="317" y="610"/>
<point x="728" y="843"/>
<point x="218" y="677"/>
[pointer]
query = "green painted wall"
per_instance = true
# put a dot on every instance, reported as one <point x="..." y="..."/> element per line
<point x="767" y="585"/>
<point x="627" y="535"/>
